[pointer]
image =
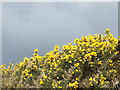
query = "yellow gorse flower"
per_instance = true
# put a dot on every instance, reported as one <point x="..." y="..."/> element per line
<point x="93" y="53"/>
<point x="56" y="48"/>
<point x="41" y="81"/>
<point x="36" y="50"/>
<point x="76" y="41"/>
<point x="110" y="61"/>
<point x="76" y="65"/>
<point x="74" y="84"/>
<point x="100" y="62"/>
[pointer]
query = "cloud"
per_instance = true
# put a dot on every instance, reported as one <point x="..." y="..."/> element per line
<point x="27" y="26"/>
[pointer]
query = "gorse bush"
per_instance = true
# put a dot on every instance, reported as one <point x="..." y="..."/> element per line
<point x="92" y="62"/>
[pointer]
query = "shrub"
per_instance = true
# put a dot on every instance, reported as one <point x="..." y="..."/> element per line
<point x="92" y="63"/>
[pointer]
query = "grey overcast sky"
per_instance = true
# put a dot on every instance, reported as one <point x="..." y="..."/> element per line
<point x="27" y="26"/>
<point x="0" y="33"/>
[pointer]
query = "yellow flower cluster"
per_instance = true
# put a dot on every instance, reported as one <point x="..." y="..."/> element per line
<point x="74" y="84"/>
<point x="97" y="80"/>
<point x="72" y="66"/>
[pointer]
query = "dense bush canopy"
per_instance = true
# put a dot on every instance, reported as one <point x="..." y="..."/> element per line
<point x="92" y="62"/>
